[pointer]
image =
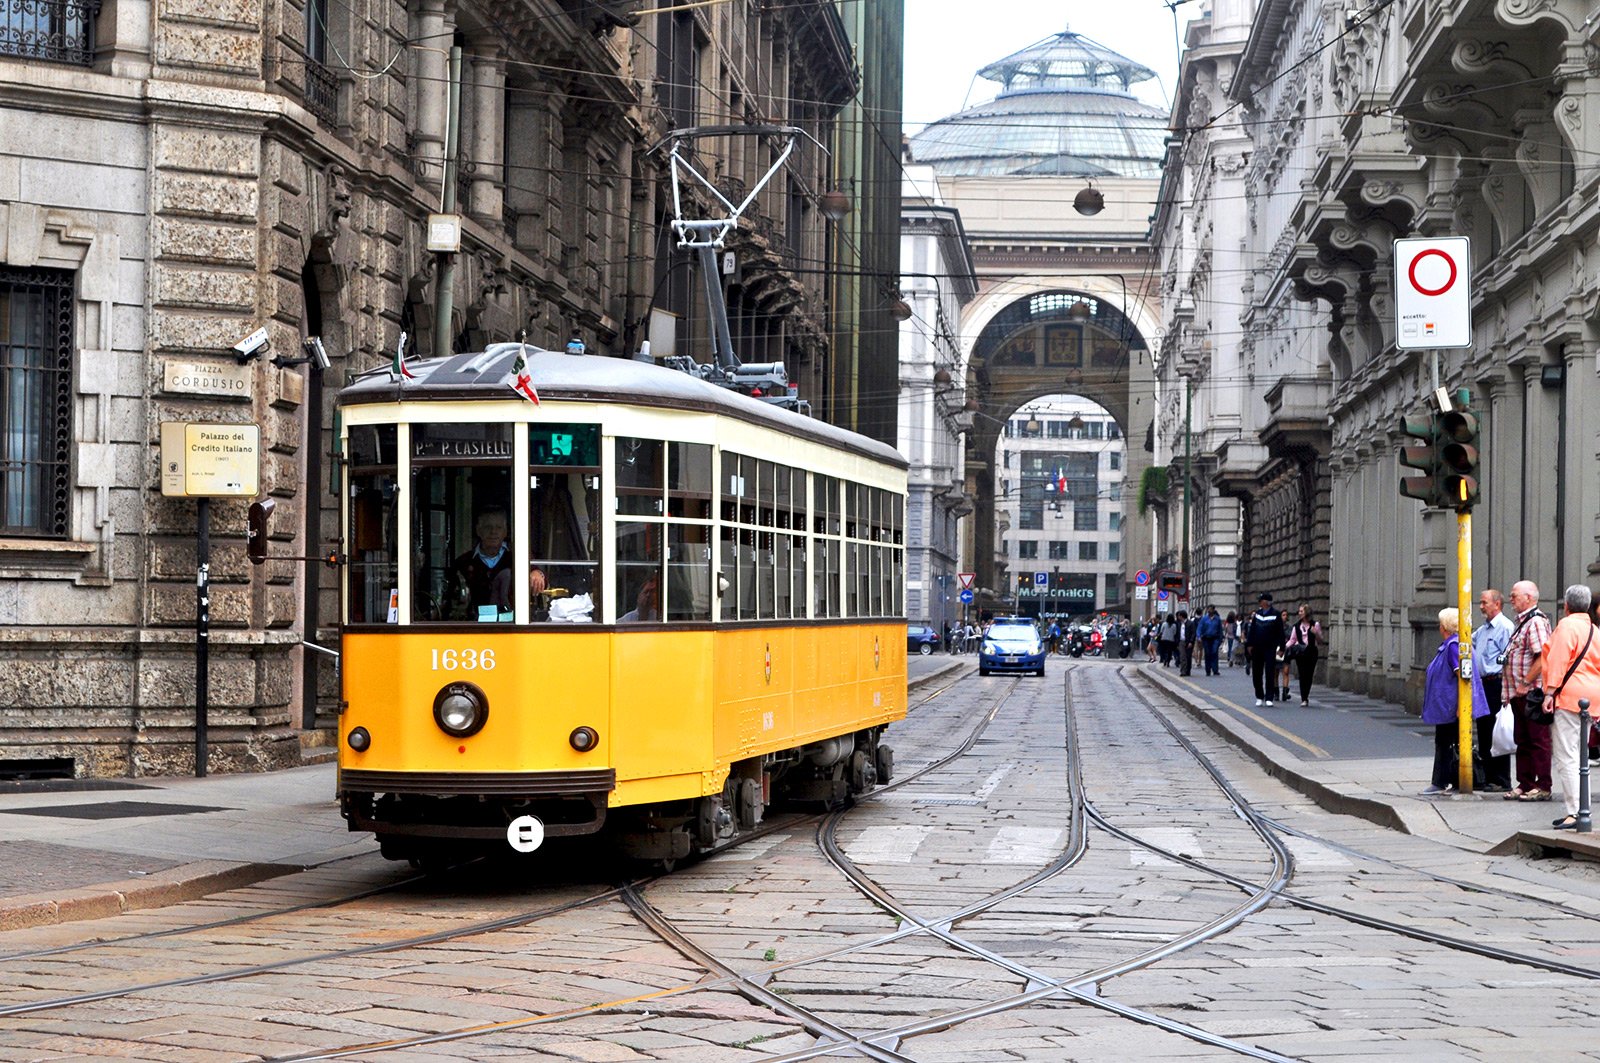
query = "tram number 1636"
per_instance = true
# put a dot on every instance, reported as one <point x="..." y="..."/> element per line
<point x="463" y="660"/>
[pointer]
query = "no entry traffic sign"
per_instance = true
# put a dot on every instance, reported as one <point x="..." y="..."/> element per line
<point x="1433" y="293"/>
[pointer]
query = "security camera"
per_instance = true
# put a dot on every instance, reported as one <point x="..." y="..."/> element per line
<point x="251" y="346"/>
<point x="317" y="353"/>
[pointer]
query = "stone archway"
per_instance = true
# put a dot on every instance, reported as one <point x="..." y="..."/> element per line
<point x="1048" y="341"/>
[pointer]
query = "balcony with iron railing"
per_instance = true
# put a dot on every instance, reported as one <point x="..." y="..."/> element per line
<point x="322" y="92"/>
<point x="57" y="31"/>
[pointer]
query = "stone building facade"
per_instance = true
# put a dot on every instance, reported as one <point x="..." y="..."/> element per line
<point x="936" y="282"/>
<point x="1240" y="345"/>
<point x="1430" y="118"/>
<point x="176" y="174"/>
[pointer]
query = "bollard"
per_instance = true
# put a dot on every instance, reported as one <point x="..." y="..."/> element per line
<point x="1585" y="823"/>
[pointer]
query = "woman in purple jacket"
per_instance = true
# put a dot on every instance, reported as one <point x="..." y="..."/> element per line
<point x="1439" y="700"/>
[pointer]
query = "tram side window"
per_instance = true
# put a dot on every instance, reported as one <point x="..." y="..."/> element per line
<point x="825" y="545"/>
<point x="564" y="493"/>
<point x="897" y="527"/>
<point x="460" y="522"/>
<point x="373" y="545"/>
<point x="688" y="572"/>
<point x="639" y="572"/>
<point x="689" y="496"/>
<point x="641" y="476"/>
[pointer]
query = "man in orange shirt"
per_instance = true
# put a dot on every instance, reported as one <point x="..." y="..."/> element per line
<point x="1571" y="672"/>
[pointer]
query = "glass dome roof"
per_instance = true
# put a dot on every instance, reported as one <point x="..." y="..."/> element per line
<point x="1064" y="110"/>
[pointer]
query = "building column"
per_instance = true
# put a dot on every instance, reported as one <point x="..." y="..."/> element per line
<point x="487" y="85"/>
<point x="432" y="50"/>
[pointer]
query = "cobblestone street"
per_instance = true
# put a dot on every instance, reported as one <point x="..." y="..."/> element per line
<point x="1054" y="875"/>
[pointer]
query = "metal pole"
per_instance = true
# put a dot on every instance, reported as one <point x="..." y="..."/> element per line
<point x="1463" y="681"/>
<point x="1188" y="462"/>
<point x="444" y="293"/>
<point x="202" y="634"/>
<point x="717" y="308"/>
<point x="1585" y="823"/>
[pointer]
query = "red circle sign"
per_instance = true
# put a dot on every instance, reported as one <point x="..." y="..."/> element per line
<point x="1412" y="272"/>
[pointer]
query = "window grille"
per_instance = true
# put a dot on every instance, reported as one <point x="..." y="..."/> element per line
<point x="59" y="31"/>
<point x="35" y="401"/>
<point x="322" y="92"/>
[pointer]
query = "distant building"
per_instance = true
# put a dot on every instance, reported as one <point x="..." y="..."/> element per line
<point x="1059" y="487"/>
<point x="1067" y="300"/>
<point x="936" y="282"/>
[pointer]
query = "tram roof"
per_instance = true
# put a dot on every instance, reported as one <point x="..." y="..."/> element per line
<point x="595" y="378"/>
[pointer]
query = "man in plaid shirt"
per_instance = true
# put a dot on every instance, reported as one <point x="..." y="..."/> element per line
<point x="1524" y="669"/>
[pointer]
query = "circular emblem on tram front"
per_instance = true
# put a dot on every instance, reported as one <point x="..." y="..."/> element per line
<point x="769" y="663"/>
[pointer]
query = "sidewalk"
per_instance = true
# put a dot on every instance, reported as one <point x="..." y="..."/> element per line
<point x="88" y="848"/>
<point x="1368" y="758"/>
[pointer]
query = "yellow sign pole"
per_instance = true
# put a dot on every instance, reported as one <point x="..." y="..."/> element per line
<point x="1464" y="607"/>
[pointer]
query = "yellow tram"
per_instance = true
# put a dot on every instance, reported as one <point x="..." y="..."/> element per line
<point x="644" y="604"/>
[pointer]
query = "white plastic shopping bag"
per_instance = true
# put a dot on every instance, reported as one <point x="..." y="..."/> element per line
<point x="1505" y="740"/>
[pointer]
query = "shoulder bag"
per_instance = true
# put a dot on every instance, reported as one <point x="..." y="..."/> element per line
<point x="1545" y="710"/>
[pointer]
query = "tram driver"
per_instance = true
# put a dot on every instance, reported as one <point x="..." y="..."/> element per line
<point x="480" y="579"/>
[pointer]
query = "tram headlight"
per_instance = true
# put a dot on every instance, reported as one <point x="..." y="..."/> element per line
<point x="584" y="739"/>
<point x="360" y="739"/>
<point x="460" y="709"/>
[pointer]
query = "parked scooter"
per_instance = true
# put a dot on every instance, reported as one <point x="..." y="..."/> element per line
<point x="1075" y="643"/>
<point x="1125" y="648"/>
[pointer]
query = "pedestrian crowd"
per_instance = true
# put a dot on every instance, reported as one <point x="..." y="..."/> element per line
<point x="1528" y="677"/>
<point x="1528" y="673"/>
<point x="1272" y="647"/>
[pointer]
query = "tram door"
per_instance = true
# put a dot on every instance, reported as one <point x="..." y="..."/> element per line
<point x="461" y="523"/>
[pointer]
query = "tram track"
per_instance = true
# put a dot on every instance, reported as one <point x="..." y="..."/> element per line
<point x="1267" y="825"/>
<point x="1083" y="988"/>
<point x="683" y="943"/>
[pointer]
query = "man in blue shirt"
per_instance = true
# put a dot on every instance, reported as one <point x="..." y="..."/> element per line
<point x="1210" y="632"/>
<point x="1489" y="641"/>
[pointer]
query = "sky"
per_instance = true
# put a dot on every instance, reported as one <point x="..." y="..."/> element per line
<point x="948" y="40"/>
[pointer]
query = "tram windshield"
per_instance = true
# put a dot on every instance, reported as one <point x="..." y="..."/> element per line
<point x="460" y="523"/>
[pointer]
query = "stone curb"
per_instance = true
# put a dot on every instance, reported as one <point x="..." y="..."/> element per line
<point x="186" y="882"/>
<point x="1333" y="794"/>
<point x="955" y="664"/>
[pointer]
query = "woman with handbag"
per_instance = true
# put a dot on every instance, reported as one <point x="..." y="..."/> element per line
<point x="1571" y="672"/>
<point x="1301" y="649"/>
<point x="1440" y="694"/>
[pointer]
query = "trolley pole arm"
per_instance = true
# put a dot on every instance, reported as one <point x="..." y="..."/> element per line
<point x="717" y="304"/>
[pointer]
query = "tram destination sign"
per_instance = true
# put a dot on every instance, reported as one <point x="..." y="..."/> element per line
<point x="210" y="460"/>
<point x="1433" y="293"/>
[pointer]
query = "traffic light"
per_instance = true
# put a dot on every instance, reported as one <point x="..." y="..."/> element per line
<point x="1458" y="454"/>
<point x="255" y="542"/>
<point x="1424" y="457"/>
